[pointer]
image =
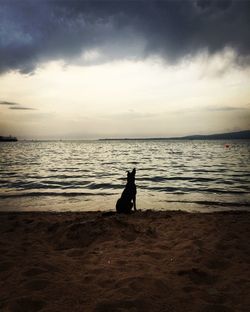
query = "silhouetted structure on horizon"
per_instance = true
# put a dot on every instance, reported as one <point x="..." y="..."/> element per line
<point x="8" y="139"/>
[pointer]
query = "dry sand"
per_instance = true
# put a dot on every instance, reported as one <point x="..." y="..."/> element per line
<point x="148" y="261"/>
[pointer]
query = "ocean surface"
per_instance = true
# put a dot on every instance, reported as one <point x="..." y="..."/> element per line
<point x="90" y="175"/>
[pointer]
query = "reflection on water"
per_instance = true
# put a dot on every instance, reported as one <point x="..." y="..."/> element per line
<point x="89" y="175"/>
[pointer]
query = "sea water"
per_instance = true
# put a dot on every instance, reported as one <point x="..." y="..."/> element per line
<point x="90" y="175"/>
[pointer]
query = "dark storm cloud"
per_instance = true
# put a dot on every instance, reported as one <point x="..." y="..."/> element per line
<point x="32" y="32"/>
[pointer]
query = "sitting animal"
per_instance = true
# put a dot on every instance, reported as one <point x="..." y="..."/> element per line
<point x="128" y="197"/>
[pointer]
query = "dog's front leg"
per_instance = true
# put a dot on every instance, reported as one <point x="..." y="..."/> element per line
<point x="134" y="201"/>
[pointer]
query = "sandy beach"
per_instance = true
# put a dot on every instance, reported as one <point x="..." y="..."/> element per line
<point x="147" y="261"/>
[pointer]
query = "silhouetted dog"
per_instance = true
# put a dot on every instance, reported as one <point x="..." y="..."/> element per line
<point x="128" y="197"/>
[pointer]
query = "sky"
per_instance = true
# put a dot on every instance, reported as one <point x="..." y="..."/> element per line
<point x="115" y="69"/>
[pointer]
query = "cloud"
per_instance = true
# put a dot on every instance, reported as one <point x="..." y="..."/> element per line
<point x="213" y="109"/>
<point x="15" y="106"/>
<point x="33" y="32"/>
<point x="21" y="108"/>
<point x="225" y="108"/>
<point x="8" y="103"/>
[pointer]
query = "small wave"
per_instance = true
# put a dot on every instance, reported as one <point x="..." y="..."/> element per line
<point x="59" y="176"/>
<point x="95" y="186"/>
<point x="186" y="190"/>
<point x="163" y="179"/>
<point x="133" y="162"/>
<point x="66" y="194"/>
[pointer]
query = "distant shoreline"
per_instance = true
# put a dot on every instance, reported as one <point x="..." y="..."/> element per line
<point x="240" y="135"/>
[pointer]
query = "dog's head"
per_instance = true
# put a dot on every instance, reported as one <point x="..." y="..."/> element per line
<point x="131" y="176"/>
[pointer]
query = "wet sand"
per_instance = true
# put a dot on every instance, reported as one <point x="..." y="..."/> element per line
<point x="148" y="261"/>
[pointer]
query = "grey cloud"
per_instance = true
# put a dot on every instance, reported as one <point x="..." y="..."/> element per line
<point x="225" y="108"/>
<point x="32" y="32"/>
<point x="8" y="103"/>
<point x="213" y="108"/>
<point x="15" y="106"/>
<point x="21" y="108"/>
<point x="211" y="5"/>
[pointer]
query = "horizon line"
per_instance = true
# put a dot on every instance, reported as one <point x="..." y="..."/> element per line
<point x="137" y="138"/>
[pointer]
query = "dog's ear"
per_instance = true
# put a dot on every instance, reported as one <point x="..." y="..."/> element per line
<point x="128" y="174"/>
<point x="133" y="172"/>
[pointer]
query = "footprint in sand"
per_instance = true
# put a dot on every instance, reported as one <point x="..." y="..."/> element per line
<point x="34" y="272"/>
<point x="5" y="266"/>
<point x="153" y="254"/>
<point x="26" y="304"/>
<point x="218" y="264"/>
<point x="216" y="308"/>
<point x="198" y="242"/>
<point x="3" y="251"/>
<point x="75" y="253"/>
<point x="38" y="284"/>
<point x="42" y="268"/>
<point x="213" y="296"/>
<point x="122" y="305"/>
<point x="129" y="236"/>
<point x="50" y="268"/>
<point x="156" y="285"/>
<point x="198" y="276"/>
<point x="106" y="283"/>
<point x="121" y="262"/>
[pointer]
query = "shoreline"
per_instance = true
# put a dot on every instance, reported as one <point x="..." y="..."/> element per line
<point x="61" y="203"/>
<point x="147" y="261"/>
<point x="139" y="212"/>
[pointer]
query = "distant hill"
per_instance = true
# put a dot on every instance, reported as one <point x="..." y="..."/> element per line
<point x="240" y="135"/>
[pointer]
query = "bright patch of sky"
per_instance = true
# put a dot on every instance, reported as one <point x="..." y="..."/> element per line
<point x="127" y="98"/>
